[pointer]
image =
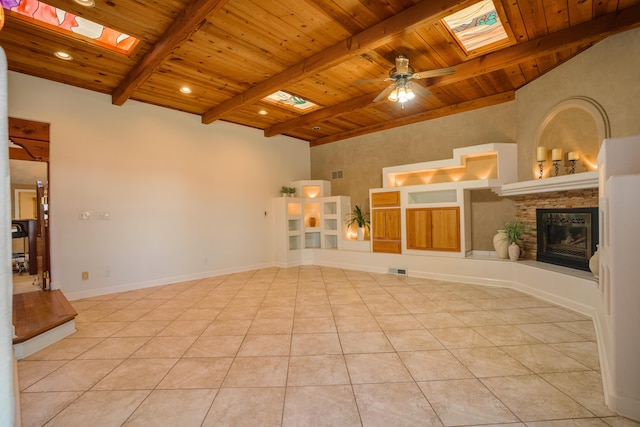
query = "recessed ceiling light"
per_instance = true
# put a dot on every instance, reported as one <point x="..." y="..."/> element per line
<point x="86" y="3"/>
<point x="63" y="55"/>
<point x="263" y="112"/>
<point x="185" y="89"/>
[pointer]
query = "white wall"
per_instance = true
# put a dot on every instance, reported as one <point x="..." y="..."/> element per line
<point x="8" y="401"/>
<point x="185" y="200"/>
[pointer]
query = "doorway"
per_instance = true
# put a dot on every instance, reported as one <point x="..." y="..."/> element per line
<point x="29" y="177"/>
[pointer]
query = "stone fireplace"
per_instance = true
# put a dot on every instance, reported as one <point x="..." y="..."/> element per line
<point x="567" y="237"/>
<point x="528" y="204"/>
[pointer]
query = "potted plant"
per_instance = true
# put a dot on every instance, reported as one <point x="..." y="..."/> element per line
<point x="357" y="217"/>
<point x="287" y="191"/>
<point x="514" y="230"/>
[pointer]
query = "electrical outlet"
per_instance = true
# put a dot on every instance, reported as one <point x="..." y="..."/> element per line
<point x="85" y="275"/>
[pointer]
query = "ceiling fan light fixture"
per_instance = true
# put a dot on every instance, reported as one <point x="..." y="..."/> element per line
<point x="410" y="94"/>
<point x="402" y="94"/>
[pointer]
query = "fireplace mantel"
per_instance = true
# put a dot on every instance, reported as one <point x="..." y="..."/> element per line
<point x="576" y="181"/>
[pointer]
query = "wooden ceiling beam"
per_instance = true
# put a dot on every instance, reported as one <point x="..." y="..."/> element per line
<point x="581" y="34"/>
<point x="420" y="117"/>
<point x="381" y="33"/>
<point x="189" y="20"/>
<point x="588" y="32"/>
<point x="321" y="115"/>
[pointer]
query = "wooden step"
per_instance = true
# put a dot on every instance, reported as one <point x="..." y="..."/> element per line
<point x="35" y="313"/>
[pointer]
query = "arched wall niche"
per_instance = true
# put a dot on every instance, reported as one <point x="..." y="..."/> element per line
<point x="577" y="124"/>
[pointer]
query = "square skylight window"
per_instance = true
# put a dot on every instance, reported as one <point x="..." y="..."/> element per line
<point x="292" y="101"/>
<point x="52" y="18"/>
<point x="477" y="27"/>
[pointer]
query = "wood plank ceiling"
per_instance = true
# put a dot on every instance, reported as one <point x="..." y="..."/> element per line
<point x="233" y="53"/>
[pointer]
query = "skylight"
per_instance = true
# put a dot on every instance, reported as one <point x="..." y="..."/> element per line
<point x="43" y="15"/>
<point x="284" y="98"/>
<point x="477" y="26"/>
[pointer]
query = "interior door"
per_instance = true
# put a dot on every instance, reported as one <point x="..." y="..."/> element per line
<point x="29" y="143"/>
<point x="43" y="232"/>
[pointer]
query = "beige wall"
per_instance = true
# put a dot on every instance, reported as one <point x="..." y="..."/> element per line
<point x="361" y="159"/>
<point x="606" y="73"/>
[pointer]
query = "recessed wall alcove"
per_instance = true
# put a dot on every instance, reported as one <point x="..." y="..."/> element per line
<point x="577" y="124"/>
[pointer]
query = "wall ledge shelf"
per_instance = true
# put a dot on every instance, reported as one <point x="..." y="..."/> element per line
<point x="576" y="181"/>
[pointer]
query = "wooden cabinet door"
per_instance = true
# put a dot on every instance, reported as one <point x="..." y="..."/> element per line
<point x="418" y="229"/>
<point x="386" y="233"/>
<point x="385" y="224"/>
<point x="392" y="224"/>
<point x="433" y="229"/>
<point x="445" y="229"/>
<point x="386" y="199"/>
<point x="378" y="224"/>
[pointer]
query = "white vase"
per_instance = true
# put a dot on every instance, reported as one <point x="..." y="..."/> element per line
<point x="594" y="263"/>
<point x="501" y="244"/>
<point x="514" y="252"/>
<point x="360" y="233"/>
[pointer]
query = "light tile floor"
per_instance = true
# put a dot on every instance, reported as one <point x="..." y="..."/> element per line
<point x="315" y="346"/>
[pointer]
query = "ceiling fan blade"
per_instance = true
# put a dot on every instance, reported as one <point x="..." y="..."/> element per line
<point x="433" y="73"/>
<point x="381" y="79"/>
<point x="420" y="90"/>
<point x="385" y="93"/>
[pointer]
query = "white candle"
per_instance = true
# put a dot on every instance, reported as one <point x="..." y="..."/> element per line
<point x="541" y="154"/>
<point x="556" y="154"/>
<point x="573" y="155"/>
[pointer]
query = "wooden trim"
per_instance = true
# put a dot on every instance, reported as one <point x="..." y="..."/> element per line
<point x="28" y="129"/>
<point x="31" y="150"/>
<point x="37" y="312"/>
<point x="387" y="246"/>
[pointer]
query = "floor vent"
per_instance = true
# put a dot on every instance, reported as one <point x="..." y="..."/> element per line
<point x="398" y="271"/>
<point x="336" y="175"/>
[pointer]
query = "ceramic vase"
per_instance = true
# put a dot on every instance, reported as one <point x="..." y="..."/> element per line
<point x="360" y="233"/>
<point x="501" y="244"/>
<point x="594" y="263"/>
<point x="514" y="252"/>
<point x="312" y="221"/>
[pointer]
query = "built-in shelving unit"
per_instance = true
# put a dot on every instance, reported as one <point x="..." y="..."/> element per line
<point x="434" y="196"/>
<point x="314" y="222"/>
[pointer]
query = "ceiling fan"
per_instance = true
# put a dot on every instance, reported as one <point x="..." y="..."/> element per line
<point x="402" y="75"/>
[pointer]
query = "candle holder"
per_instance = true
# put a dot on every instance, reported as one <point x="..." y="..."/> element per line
<point x="573" y="166"/>
<point x="540" y="162"/>
<point x="556" y="167"/>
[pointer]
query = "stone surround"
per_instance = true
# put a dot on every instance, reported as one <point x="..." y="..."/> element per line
<point x="526" y="206"/>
